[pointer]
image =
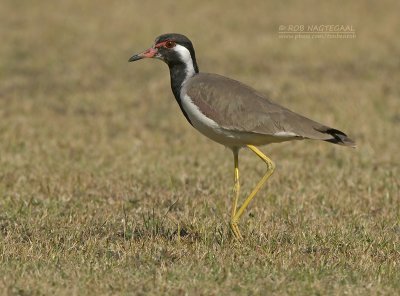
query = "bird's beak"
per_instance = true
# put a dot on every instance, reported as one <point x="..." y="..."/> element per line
<point x="149" y="53"/>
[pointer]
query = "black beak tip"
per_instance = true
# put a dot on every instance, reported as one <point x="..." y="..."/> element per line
<point x="134" y="58"/>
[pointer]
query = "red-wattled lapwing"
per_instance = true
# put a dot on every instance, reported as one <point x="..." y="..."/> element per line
<point x="232" y="113"/>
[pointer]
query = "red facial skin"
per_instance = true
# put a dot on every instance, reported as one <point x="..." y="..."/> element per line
<point x="162" y="44"/>
<point x="151" y="52"/>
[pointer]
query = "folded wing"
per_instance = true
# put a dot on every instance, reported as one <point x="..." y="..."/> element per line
<point x="236" y="106"/>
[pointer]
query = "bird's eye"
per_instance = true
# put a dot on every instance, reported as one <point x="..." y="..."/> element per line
<point x="170" y="44"/>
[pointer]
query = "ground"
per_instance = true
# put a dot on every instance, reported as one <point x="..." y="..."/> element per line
<point x="106" y="189"/>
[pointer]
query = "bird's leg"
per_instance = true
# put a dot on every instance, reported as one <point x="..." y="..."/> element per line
<point x="270" y="170"/>
<point x="236" y="191"/>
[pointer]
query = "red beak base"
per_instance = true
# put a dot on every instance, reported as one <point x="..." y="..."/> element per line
<point x="149" y="53"/>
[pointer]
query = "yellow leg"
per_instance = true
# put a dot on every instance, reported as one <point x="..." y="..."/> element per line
<point x="270" y="170"/>
<point x="236" y="191"/>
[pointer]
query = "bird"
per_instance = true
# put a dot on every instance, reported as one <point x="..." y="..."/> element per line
<point x="232" y="114"/>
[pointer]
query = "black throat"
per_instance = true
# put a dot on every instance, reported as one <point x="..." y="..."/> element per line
<point x="179" y="72"/>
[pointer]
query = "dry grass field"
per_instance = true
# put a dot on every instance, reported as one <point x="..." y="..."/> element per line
<point x="105" y="189"/>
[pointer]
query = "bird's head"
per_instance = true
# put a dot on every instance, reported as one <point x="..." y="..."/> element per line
<point x="171" y="48"/>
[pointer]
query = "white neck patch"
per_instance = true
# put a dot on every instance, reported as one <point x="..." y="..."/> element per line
<point x="186" y="58"/>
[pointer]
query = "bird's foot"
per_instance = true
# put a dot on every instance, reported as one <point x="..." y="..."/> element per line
<point x="236" y="231"/>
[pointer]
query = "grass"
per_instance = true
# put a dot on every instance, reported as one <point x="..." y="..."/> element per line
<point x="105" y="189"/>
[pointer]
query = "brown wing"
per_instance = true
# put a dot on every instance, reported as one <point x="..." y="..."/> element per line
<point x="236" y="106"/>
